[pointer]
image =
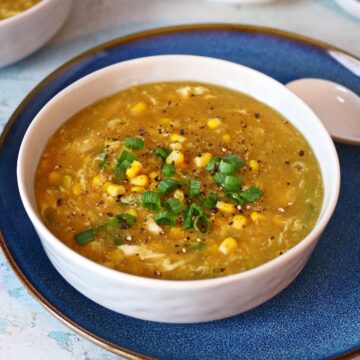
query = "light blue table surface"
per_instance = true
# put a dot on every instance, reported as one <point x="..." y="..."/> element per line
<point x="27" y="330"/>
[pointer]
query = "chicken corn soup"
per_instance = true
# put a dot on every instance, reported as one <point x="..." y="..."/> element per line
<point x="179" y="181"/>
<point x="9" y="8"/>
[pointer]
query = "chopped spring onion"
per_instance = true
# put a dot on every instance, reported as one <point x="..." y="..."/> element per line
<point x="197" y="247"/>
<point x="212" y="164"/>
<point x="251" y="194"/>
<point x="165" y="218"/>
<point x="117" y="239"/>
<point x="169" y="170"/>
<point x="173" y="205"/>
<point x="85" y="237"/>
<point x="194" y="187"/>
<point x="162" y="153"/>
<point x="234" y="159"/>
<point x="150" y="200"/>
<point x="227" y="168"/>
<point x="125" y="220"/>
<point x="232" y="183"/>
<point x="101" y="158"/>
<point x="122" y="163"/>
<point x="134" y="143"/>
<point x="192" y="211"/>
<point x="167" y="185"/>
<point x="219" y="178"/>
<point x="211" y="201"/>
<point x="126" y="155"/>
<point x="202" y="223"/>
<point x="237" y="198"/>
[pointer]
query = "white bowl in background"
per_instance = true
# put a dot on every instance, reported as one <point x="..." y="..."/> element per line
<point x="166" y="300"/>
<point x="22" y="34"/>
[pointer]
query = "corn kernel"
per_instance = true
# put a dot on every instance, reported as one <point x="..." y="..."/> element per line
<point x="115" y="190"/>
<point x="98" y="180"/>
<point x="132" y="212"/>
<point x="256" y="216"/>
<point x="137" y="189"/>
<point x="176" y="146"/>
<point x="239" y="221"/>
<point x="154" y="174"/>
<point x="202" y="160"/>
<point x="175" y="157"/>
<point x="254" y="165"/>
<point x="54" y="177"/>
<point x="177" y="138"/>
<point x="226" y="138"/>
<point x="133" y="169"/>
<point x="179" y="194"/>
<point x="77" y="189"/>
<point x="214" y="123"/>
<point x="225" y="207"/>
<point x="67" y="181"/>
<point x="138" y="108"/>
<point x="141" y="180"/>
<point x="228" y="246"/>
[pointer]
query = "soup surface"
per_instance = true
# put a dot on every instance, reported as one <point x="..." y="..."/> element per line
<point x="179" y="181"/>
<point x="10" y="8"/>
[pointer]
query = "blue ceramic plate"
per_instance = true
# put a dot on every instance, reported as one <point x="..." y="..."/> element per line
<point x="317" y="316"/>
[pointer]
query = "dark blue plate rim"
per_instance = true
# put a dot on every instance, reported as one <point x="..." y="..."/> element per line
<point x="117" y="349"/>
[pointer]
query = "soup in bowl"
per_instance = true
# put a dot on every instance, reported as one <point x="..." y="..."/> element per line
<point x="178" y="188"/>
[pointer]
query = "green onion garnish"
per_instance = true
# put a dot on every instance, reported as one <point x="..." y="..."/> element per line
<point x="192" y="211"/>
<point x="219" y="178"/>
<point x="165" y="218"/>
<point x="227" y="168"/>
<point x="211" y="201"/>
<point x="162" y="153"/>
<point x="122" y="163"/>
<point x="167" y="185"/>
<point x="197" y="247"/>
<point x="234" y="159"/>
<point x="212" y="164"/>
<point x="85" y="237"/>
<point x="117" y="239"/>
<point x="237" y="198"/>
<point x="251" y="194"/>
<point x="126" y="220"/>
<point x="169" y="170"/>
<point x="150" y="200"/>
<point x="202" y="223"/>
<point x="173" y="205"/>
<point x="232" y="183"/>
<point x="126" y="155"/>
<point x="101" y="158"/>
<point x="134" y="143"/>
<point x="194" y="187"/>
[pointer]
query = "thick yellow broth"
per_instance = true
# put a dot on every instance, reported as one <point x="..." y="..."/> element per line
<point x="10" y="8"/>
<point x="73" y="193"/>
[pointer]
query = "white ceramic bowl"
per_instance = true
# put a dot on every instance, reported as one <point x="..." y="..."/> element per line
<point x="22" y="34"/>
<point x="163" y="300"/>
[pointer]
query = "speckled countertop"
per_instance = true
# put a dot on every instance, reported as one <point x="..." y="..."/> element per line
<point x="27" y="331"/>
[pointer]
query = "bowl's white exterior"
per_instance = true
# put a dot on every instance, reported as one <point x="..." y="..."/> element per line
<point x="162" y="300"/>
<point x="26" y="32"/>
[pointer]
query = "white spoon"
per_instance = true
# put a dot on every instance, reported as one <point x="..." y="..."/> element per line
<point x="336" y="106"/>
